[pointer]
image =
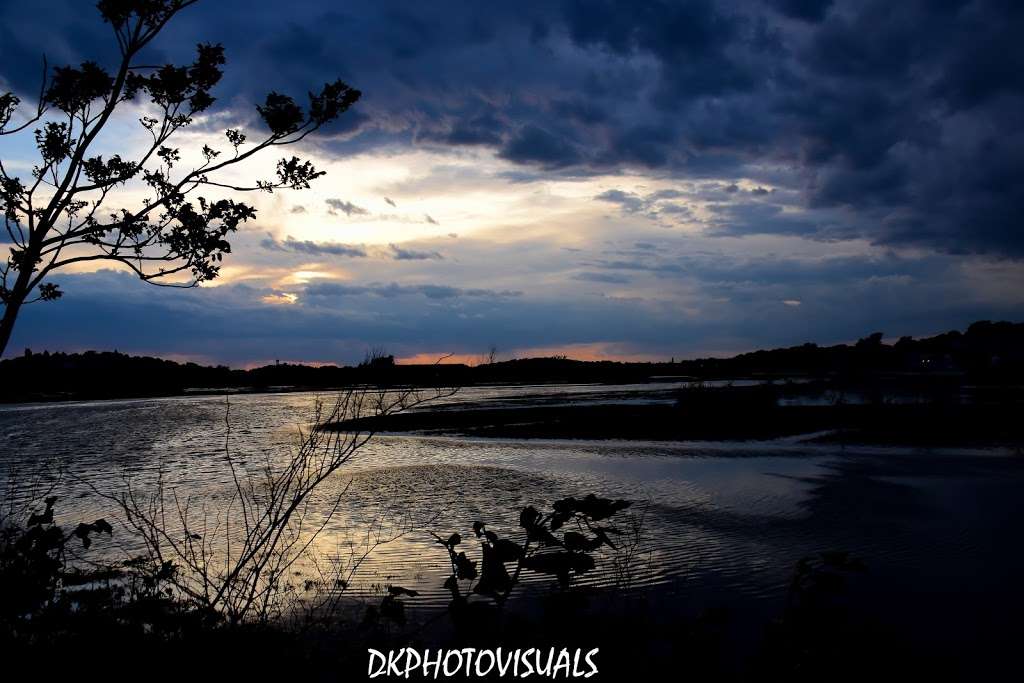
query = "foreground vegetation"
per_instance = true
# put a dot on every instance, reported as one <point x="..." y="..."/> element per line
<point x="63" y="614"/>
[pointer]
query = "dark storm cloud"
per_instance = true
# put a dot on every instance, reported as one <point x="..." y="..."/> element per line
<point x="535" y="145"/>
<point x="750" y="218"/>
<point x="717" y="270"/>
<point x="808" y="10"/>
<point x="902" y="117"/>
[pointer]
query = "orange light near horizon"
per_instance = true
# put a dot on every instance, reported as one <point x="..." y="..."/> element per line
<point x="586" y="352"/>
<point x="441" y="359"/>
<point x="252" y="365"/>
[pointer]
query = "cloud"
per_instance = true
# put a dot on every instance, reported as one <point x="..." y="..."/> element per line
<point x="348" y="208"/>
<point x="653" y="205"/>
<point x="394" y="251"/>
<point x="731" y="306"/>
<point x="313" y="248"/>
<point x="610" y="278"/>
<point x="912" y="134"/>
<point x="535" y="145"/>
<point x="403" y="254"/>
<point x="807" y="10"/>
<point x="746" y="218"/>
<point x="716" y="269"/>
<point x="391" y="202"/>
<point x="334" y="289"/>
<point x="626" y="200"/>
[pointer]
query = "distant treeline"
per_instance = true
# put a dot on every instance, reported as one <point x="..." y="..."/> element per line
<point x="987" y="352"/>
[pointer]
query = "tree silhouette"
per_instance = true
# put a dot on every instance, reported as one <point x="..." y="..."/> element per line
<point x="77" y="205"/>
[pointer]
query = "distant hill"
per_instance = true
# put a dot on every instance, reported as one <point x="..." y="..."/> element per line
<point x="985" y="352"/>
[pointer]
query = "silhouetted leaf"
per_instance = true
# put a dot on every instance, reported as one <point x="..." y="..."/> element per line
<point x="600" y="508"/>
<point x="72" y="90"/>
<point x="528" y="517"/>
<point x="281" y="114"/>
<point x="602" y="536"/>
<point x="560" y="564"/>
<point x="465" y="568"/>
<point x="577" y="542"/>
<point x="332" y="100"/>
<point x="494" y="578"/>
<point x="507" y="551"/>
<point x="46" y="517"/>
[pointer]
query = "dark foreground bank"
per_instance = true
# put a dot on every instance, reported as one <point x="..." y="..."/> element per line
<point x="724" y="414"/>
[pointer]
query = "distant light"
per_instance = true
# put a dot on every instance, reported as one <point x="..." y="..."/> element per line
<point x="280" y="298"/>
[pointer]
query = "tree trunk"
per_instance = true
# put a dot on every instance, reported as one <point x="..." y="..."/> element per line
<point x="15" y="299"/>
<point x="7" y="324"/>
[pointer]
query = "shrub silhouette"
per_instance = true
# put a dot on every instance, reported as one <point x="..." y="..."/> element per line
<point x="33" y="564"/>
<point x="542" y="550"/>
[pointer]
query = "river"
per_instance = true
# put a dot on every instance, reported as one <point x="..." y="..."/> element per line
<point x="719" y="522"/>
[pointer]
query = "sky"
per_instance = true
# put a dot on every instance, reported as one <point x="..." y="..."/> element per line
<point x="627" y="180"/>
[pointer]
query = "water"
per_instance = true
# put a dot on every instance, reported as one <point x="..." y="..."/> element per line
<point x="721" y="522"/>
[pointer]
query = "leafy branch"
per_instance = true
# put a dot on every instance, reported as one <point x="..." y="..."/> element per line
<point x="74" y="206"/>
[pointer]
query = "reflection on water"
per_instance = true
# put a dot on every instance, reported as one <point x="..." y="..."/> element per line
<point x="732" y="516"/>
